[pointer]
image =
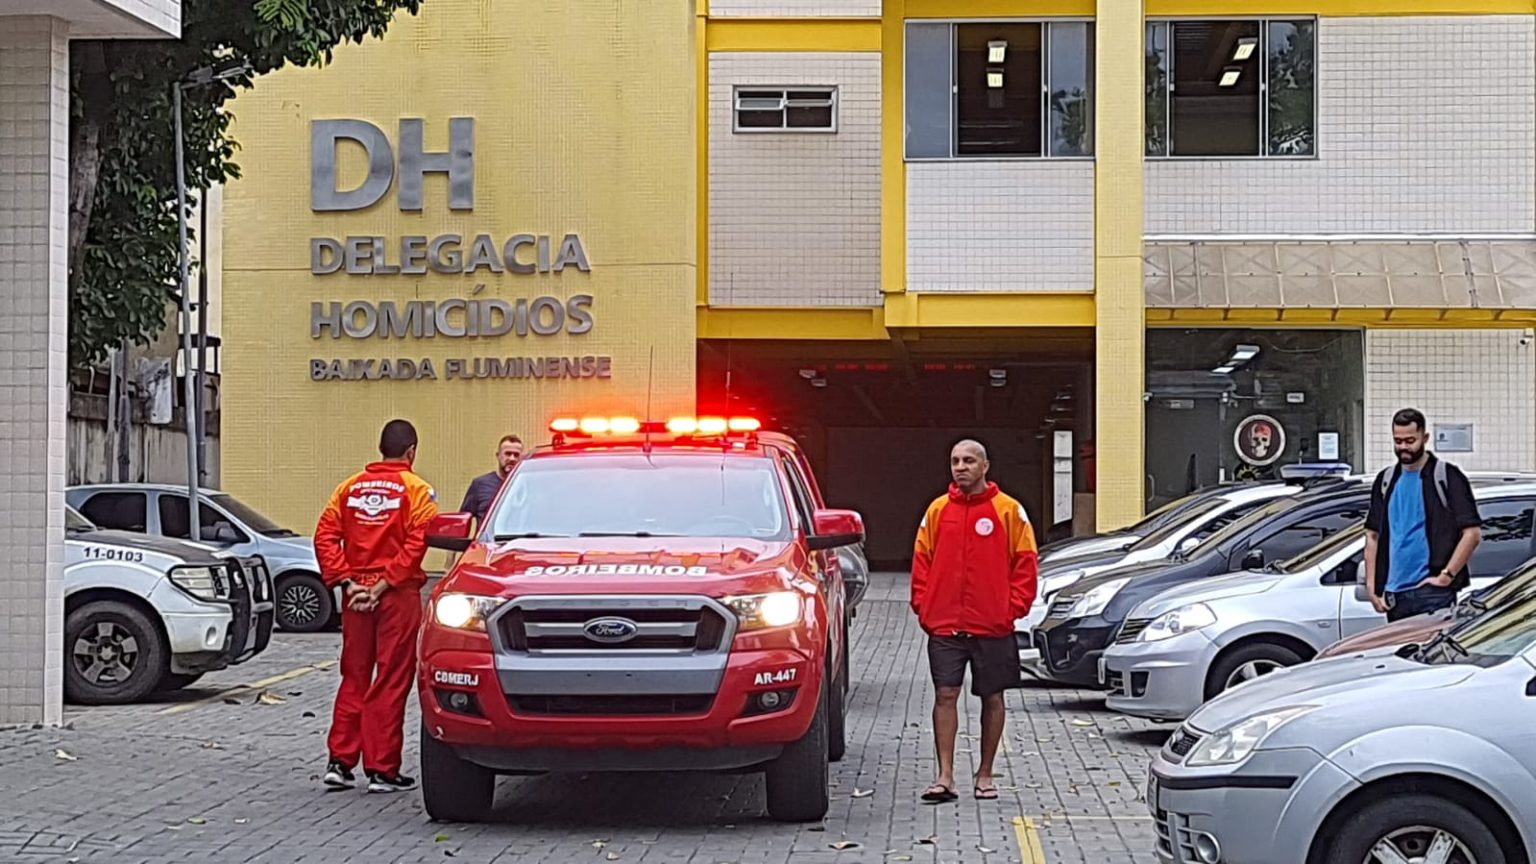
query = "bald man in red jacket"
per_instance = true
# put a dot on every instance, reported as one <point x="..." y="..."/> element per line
<point x="974" y="571"/>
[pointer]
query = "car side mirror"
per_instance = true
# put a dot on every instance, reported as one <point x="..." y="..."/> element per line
<point x="1186" y="546"/>
<point x="450" y="531"/>
<point x="1254" y="559"/>
<point x="834" y="528"/>
<point x="1362" y="594"/>
<point x="225" y="533"/>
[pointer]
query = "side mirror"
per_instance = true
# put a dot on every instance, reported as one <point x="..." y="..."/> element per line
<point x="836" y="528"/>
<point x="1186" y="546"/>
<point x="1362" y="595"/>
<point x="1254" y="560"/>
<point x="450" y="531"/>
<point x="225" y="533"/>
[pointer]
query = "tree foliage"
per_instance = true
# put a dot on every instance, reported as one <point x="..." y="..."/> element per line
<point x="123" y="226"/>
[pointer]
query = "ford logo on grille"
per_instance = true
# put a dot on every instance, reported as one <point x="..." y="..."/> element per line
<point x="611" y="629"/>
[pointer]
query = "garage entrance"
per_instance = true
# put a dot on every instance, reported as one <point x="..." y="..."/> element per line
<point x="878" y="419"/>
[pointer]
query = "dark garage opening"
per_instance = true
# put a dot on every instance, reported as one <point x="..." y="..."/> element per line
<point x="878" y="419"/>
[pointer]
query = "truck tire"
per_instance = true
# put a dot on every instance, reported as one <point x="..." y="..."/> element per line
<point x="113" y="654"/>
<point x="797" y="780"/>
<point x="837" y="718"/>
<point x="304" y="604"/>
<point x="453" y="790"/>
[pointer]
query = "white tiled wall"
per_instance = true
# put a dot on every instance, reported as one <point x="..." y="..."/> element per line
<point x="1424" y="125"/>
<point x="795" y="8"/>
<point x="1483" y="377"/>
<point x="34" y="127"/>
<point x="1023" y="225"/>
<point x="794" y="219"/>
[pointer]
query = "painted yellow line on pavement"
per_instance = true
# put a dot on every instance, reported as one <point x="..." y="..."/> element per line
<point x="246" y="688"/>
<point x="1030" y="850"/>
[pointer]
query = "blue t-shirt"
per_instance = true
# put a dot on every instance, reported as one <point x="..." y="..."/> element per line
<point x="1409" y="555"/>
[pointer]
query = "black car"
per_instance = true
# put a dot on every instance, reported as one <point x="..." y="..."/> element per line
<point x="1073" y="637"/>
<point x="1071" y="640"/>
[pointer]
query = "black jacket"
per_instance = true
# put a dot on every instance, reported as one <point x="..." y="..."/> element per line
<point x="1448" y="510"/>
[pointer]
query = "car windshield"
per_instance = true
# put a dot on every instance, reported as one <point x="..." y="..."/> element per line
<point x="1196" y="510"/>
<point x="1171" y="513"/>
<point x="635" y="495"/>
<point x="1487" y="640"/>
<point x="73" y="521"/>
<point x="1237" y="528"/>
<point x="1324" y="551"/>
<point x="251" y="518"/>
<point x="1518" y="584"/>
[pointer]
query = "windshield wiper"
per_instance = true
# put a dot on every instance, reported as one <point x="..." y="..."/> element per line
<point x="528" y="535"/>
<point x="624" y="534"/>
<point x="1274" y="567"/>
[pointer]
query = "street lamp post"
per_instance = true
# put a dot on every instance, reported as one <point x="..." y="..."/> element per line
<point x="191" y="400"/>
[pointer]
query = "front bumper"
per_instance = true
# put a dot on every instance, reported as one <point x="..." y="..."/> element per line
<point x="1070" y="648"/>
<point x="1266" y="810"/>
<point x="719" y="732"/>
<point x="1163" y="680"/>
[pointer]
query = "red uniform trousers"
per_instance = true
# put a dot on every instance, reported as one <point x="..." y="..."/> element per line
<point x="369" y="719"/>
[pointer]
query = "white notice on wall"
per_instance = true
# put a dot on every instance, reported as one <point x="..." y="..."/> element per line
<point x="1328" y="446"/>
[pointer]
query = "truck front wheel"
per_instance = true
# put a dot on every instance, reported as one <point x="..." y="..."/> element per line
<point x="452" y="789"/>
<point x="113" y="654"/>
<point x="797" y="780"/>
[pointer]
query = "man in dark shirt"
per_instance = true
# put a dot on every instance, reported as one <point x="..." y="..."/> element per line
<point x="483" y="489"/>
<point x="1421" y="529"/>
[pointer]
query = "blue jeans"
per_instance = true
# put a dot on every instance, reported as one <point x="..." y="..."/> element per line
<point x="1418" y="601"/>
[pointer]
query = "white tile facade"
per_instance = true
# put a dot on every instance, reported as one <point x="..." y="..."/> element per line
<point x="1425" y="125"/>
<point x="1024" y="225"/>
<point x="794" y="8"/>
<point x="1483" y="377"/>
<point x="794" y="218"/>
<point x="34" y="174"/>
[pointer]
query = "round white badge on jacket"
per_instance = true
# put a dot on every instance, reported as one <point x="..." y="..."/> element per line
<point x="984" y="526"/>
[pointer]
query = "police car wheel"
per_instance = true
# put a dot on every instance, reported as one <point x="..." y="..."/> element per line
<point x="304" y="604"/>
<point x="113" y="654"/>
<point x="453" y="790"/>
<point x="797" y="780"/>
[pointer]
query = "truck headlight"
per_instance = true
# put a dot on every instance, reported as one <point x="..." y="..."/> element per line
<point x="1178" y="622"/>
<point x="201" y="582"/>
<point x="1235" y="743"/>
<point x="1095" y="601"/>
<point x="465" y="611"/>
<point x="757" y="611"/>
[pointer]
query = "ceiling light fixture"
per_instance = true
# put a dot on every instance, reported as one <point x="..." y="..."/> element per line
<point x="997" y="49"/>
<point x="1230" y="75"/>
<point x="1244" y="353"/>
<point x="1245" y="48"/>
<point x="995" y="80"/>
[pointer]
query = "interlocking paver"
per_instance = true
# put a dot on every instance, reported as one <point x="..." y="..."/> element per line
<point x="237" y="783"/>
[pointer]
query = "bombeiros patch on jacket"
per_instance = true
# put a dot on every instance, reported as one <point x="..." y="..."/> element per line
<point x="985" y="526"/>
<point x="373" y="503"/>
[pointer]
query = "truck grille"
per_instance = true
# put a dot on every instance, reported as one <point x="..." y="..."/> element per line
<point x="534" y="627"/>
<point x="1131" y="629"/>
<point x="628" y="705"/>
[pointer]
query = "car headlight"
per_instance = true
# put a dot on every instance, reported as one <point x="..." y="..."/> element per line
<point x="757" y="611"/>
<point x="465" y="611"/>
<point x="1237" y="742"/>
<point x="202" y="582"/>
<point x="1097" y="598"/>
<point x="1179" y="621"/>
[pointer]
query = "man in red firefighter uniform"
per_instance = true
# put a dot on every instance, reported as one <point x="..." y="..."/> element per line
<point x="371" y="539"/>
<point x="974" y="571"/>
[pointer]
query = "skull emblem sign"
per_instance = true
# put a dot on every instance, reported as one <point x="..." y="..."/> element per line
<point x="1259" y="440"/>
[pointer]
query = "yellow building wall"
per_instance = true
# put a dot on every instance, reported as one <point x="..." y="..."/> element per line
<point x="584" y="124"/>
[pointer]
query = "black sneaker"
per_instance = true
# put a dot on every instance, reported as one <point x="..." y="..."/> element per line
<point x="378" y="782"/>
<point x="339" y="776"/>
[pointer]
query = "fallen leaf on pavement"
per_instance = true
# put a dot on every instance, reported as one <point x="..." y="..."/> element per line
<point x="1082" y="722"/>
<point x="1026" y="785"/>
<point x="930" y="840"/>
<point x="309" y="714"/>
<point x="985" y="850"/>
<point x="65" y="756"/>
<point x="266" y="698"/>
<point x="198" y="820"/>
<point x="817" y="828"/>
<point x="598" y="844"/>
<point x="862" y="793"/>
<point x="230" y="700"/>
<point x="844" y="844"/>
<point x="441" y="838"/>
<point x="295" y="693"/>
<point x="449" y="853"/>
<point x="1112" y="782"/>
<point x="242" y="821"/>
<point x="212" y="745"/>
<point x="613" y="856"/>
<point x="901" y="857"/>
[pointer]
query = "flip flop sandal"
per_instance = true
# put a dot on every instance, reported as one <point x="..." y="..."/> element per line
<point x="939" y="794"/>
<point x="985" y="793"/>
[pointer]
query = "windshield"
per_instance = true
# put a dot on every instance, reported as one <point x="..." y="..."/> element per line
<point x="1268" y="511"/>
<point x="73" y="521"/>
<point x="1517" y="584"/>
<point x="252" y="519"/>
<point x="1325" y="550"/>
<point x="1171" y="513"/>
<point x="1490" y="639"/>
<point x="1197" y="510"/>
<point x="632" y="495"/>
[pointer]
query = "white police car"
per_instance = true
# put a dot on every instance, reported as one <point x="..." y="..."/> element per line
<point x="143" y="614"/>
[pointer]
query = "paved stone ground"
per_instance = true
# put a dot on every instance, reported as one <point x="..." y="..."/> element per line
<point x="195" y="778"/>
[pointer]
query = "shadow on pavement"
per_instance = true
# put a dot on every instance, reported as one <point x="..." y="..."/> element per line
<point x="601" y="802"/>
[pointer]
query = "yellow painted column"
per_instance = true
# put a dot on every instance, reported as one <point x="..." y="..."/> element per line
<point x="893" y="166"/>
<point x="1118" y="216"/>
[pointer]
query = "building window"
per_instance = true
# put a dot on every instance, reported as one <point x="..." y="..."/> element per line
<point x="1005" y="89"/>
<point x="778" y="109"/>
<point x="1231" y="88"/>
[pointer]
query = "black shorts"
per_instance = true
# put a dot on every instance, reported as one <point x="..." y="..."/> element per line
<point x="994" y="662"/>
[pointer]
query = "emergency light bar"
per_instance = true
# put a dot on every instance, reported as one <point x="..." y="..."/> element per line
<point x="680" y="426"/>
